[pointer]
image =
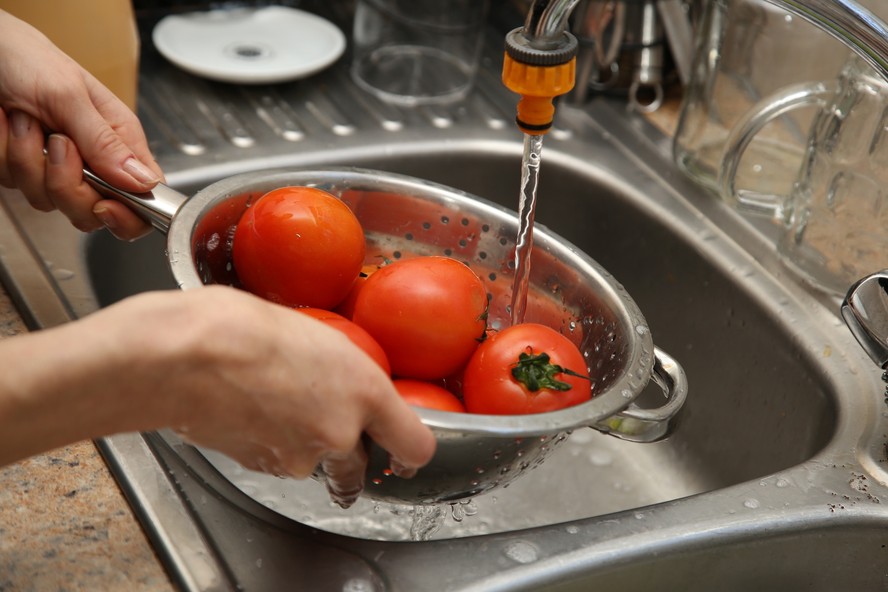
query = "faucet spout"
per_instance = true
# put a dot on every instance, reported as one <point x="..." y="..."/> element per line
<point x="540" y="63"/>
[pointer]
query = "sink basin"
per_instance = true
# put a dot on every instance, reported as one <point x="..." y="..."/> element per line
<point x="773" y="478"/>
<point x="693" y="308"/>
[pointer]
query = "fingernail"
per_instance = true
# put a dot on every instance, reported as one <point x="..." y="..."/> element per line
<point x="400" y="470"/>
<point x="344" y="497"/>
<point x="139" y="171"/>
<point x="19" y="123"/>
<point x="105" y="217"/>
<point x="57" y="149"/>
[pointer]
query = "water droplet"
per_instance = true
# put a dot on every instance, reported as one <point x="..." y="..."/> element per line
<point x="751" y="503"/>
<point x="601" y="458"/>
<point x="572" y="529"/>
<point x="213" y="242"/>
<point x="521" y="552"/>
<point x="358" y="585"/>
<point x="641" y="329"/>
<point x="781" y="482"/>
<point x="62" y="274"/>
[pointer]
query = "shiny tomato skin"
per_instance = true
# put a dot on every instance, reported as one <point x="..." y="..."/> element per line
<point x="299" y="246"/>
<point x="357" y="334"/>
<point x="427" y="313"/>
<point x="490" y="388"/>
<point x="421" y="393"/>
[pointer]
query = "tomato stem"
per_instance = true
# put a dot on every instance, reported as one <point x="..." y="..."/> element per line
<point x="535" y="372"/>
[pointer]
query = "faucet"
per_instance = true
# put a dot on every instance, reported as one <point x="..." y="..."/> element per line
<point x="540" y="57"/>
<point x="540" y="64"/>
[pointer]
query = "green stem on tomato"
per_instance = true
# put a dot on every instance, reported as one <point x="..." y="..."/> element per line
<point x="535" y="372"/>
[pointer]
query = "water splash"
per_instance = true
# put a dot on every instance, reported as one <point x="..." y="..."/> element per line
<point x="426" y="521"/>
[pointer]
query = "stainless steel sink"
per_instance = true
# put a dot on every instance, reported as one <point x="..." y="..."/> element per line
<point x="773" y="479"/>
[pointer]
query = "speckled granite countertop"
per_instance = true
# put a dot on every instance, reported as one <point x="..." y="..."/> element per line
<point x="64" y="523"/>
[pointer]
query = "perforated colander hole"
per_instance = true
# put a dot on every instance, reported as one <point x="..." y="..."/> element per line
<point x="408" y="236"/>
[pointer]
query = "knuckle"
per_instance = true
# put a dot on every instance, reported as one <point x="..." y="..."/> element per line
<point x="40" y="203"/>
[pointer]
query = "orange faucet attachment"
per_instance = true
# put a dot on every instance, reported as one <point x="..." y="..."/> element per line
<point x="538" y="75"/>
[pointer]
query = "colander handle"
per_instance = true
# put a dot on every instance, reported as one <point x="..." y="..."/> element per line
<point x="650" y="425"/>
<point x="156" y="207"/>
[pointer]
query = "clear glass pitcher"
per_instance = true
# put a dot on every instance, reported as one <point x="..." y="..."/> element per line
<point x="747" y="50"/>
<point x="835" y="216"/>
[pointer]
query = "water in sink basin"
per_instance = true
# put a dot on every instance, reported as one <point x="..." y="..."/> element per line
<point x="736" y="425"/>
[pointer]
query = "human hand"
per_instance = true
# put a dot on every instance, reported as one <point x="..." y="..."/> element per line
<point x="43" y="90"/>
<point x="277" y="391"/>
<point x="281" y="394"/>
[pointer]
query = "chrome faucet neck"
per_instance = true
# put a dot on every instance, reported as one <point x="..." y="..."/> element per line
<point x="546" y="22"/>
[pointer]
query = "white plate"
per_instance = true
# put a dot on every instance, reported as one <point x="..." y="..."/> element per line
<point x="252" y="46"/>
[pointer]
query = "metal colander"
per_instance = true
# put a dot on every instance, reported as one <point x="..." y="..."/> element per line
<point x="404" y="217"/>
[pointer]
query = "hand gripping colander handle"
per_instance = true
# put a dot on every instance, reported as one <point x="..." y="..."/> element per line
<point x="649" y="425"/>
<point x="156" y="207"/>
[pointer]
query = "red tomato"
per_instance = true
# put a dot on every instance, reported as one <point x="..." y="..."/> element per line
<point x="427" y="313"/>
<point x="299" y="246"/>
<point x="425" y="394"/>
<point x="526" y="368"/>
<point x="358" y="335"/>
